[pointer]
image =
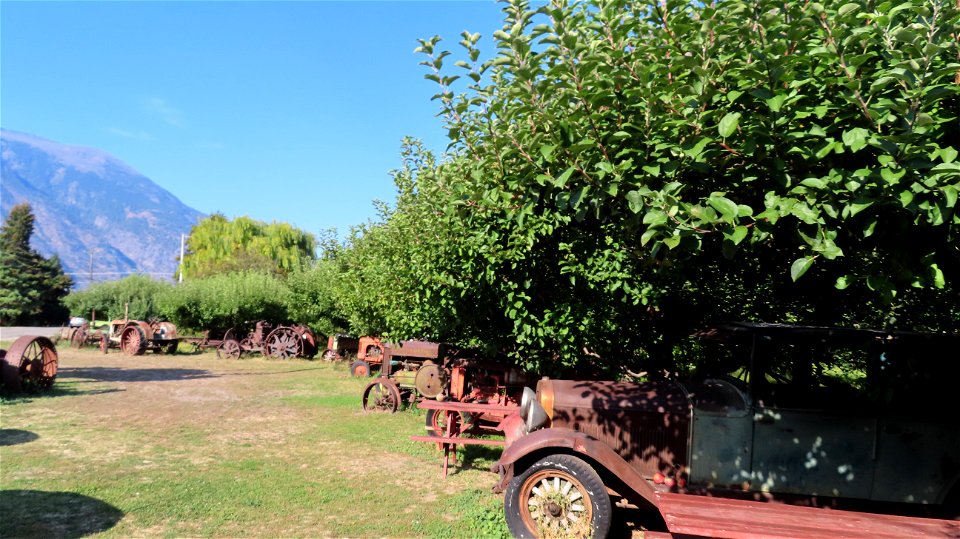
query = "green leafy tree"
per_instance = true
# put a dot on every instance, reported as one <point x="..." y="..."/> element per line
<point x="31" y="287"/>
<point x="226" y="300"/>
<point x="621" y="173"/>
<point x="135" y="296"/>
<point x="218" y="245"/>
<point x="316" y="292"/>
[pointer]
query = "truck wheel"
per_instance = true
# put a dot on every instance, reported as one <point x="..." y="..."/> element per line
<point x="559" y="496"/>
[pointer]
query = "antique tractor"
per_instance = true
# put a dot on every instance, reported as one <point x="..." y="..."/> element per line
<point x="30" y="364"/>
<point x="135" y="337"/>
<point x="400" y="365"/>
<point x="280" y="341"/>
<point x="84" y="335"/>
<point x="369" y="356"/>
<point x="340" y="347"/>
<point x="224" y="342"/>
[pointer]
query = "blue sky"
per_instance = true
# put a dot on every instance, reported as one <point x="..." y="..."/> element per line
<point x="287" y="111"/>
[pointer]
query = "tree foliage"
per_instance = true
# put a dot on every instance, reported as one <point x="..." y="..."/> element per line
<point x="136" y="296"/>
<point x="218" y="245"/>
<point x="621" y="173"/>
<point x="31" y="286"/>
<point x="225" y="300"/>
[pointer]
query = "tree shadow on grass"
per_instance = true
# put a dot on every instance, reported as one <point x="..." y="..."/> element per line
<point x="114" y="374"/>
<point x="480" y="457"/>
<point x="33" y="513"/>
<point x="16" y="437"/>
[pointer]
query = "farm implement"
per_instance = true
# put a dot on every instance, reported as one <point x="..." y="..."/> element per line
<point x="266" y="338"/>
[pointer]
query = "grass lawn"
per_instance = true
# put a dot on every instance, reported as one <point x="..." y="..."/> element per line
<point x="192" y="445"/>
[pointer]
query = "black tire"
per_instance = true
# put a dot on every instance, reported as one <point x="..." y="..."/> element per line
<point x="592" y="515"/>
<point x="360" y="368"/>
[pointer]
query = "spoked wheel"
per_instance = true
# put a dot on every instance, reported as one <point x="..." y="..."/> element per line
<point x="231" y="349"/>
<point x="559" y="495"/>
<point x="381" y="395"/>
<point x="132" y="342"/>
<point x="30" y="364"/>
<point x="329" y="355"/>
<point x="283" y="343"/>
<point x="439" y="421"/>
<point x="246" y="345"/>
<point x="78" y="338"/>
<point x="360" y="369"/>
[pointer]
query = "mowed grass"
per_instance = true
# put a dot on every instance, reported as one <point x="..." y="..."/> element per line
<point x="191" y="445"/>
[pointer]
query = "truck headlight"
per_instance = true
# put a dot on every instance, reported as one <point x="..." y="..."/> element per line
<point x="533" y="414"/>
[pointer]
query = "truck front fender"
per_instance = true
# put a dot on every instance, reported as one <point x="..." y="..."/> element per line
<point x="573" y="442"/>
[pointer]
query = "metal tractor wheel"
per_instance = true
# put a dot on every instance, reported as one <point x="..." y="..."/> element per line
<point x="360" y="369"/>
<point x="283" y="343"/>
<point x="438" y="422"/>
<point x="246" y="345"/>
<point x="230" y="348"/>
<point x="381" y="395"/>
<point x="308" y="341"/>
<point x="330" y="355"/>
<point x="133" y="342"/>
<point x="559" y="496"/>
<point x="30" y="364"/>
<point x="78" y="338"/>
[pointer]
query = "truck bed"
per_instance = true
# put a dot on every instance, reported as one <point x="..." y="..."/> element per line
<point x="701" y="516"/>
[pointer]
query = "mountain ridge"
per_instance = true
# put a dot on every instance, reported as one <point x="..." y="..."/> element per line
<point x="97" y="213"/>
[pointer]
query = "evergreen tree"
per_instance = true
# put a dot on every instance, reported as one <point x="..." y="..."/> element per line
<point x="31" y="287"/>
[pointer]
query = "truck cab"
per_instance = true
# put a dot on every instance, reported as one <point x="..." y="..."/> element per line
<point x="802" y="415"/>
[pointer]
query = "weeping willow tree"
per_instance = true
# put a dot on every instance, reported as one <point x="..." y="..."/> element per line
<point x="218" y="245"/>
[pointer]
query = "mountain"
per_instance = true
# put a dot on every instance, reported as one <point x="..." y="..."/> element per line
<point x="97" y="213"/>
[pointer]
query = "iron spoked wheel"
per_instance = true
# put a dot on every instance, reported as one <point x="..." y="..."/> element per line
<point x="246" y="345"/>
<point x="78" y="338"/>
<point x="559" y="495"/>
<point x="329" y="355"/>
<point x="231" y="349"/>
<point x="31" y="364"/>
<point x="437" y="422"/>
<point x="132" y="342"/>
<point x="283" y="343"/>
<point x="360" y="369"/>
<point x="381" y="395"/>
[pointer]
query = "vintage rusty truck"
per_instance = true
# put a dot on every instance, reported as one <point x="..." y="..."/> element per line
<point x="784" y="431"/>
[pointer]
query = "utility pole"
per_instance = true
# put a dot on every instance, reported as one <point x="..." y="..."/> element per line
<point x="182" y="239"/>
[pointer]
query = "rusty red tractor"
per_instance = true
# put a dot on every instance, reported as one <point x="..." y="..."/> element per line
<point x="280" y="341"/>
<point x="30" y="364"/>
<point x="370" y="352"/>
<point x="136" y="337"/>
<point x="414" y="369"/>
<point x="340" y="346"/>
<point x="84" y="335"/>
<point x="400" y="367"/>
